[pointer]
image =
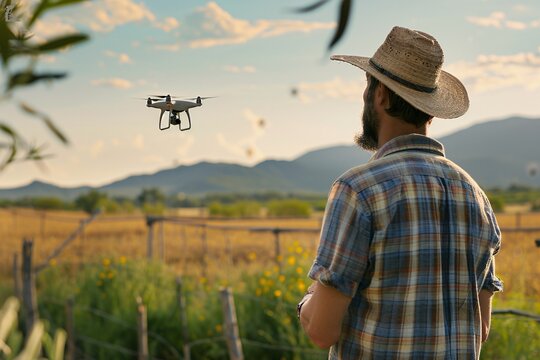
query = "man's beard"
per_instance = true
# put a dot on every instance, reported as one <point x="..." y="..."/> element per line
<point x="369" y="138"/>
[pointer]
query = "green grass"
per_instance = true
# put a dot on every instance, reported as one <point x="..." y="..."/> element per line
<point x="105" y="310"/>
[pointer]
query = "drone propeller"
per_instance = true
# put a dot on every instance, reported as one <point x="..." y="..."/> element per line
<point x="164" y="96"/>
<point x="202" y="98"/>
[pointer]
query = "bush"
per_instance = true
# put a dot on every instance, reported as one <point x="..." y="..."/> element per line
<point x="289" y="208"/>
<point x="237" y="210"/>
<point x="497" y="203"/>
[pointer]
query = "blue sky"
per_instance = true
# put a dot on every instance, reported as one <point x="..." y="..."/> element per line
<point x="250" y="54"/>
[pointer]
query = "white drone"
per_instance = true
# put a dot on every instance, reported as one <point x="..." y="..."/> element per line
<point x="174" y="107"/>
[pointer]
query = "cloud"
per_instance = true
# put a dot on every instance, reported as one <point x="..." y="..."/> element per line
<point x="167" y="24"/>
<point x="247" y="146"/>
<point x="211" y="25"/>
<point x="494" y="72"/>
<point x="121" y="57"/>
<point x="498" y="20"/>
<point x="97" y="148"/>
<point x="105" y="15"/>
<point x="52" y="27"/>
<point x="239" y="69"/>
<point x="138" y="142"/>
<point x="117" y="83"/>
<point x="337" y="88"/>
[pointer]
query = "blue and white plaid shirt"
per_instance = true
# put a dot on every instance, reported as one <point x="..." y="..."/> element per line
<point x="411" y="238"/>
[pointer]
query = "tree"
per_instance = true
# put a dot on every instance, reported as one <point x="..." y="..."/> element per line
<point x="150" y="196"/>
<point x="17" y="44"/>
<point x="91" y="201"/>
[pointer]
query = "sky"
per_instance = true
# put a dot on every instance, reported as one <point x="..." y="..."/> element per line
<point x="249" y="55"/>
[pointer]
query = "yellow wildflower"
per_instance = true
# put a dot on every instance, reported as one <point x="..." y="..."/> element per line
<point x="281" y="278"/>
<point x="267" y="273"/>
<point x="122" y="260"/>
<point x="52" y="262"/>
<point x="106" y="262"/>
<point x="258" y="292"/>
<point x="102" y="275"/>
<point x="219" y="328"/>
<point x="299" y="270"/>
<point x="279" y="258"/>
<point x="262" y="281"/>
<point x="277" y="293"/>
<point x="299" y="249"/>
<point x="252" y="256"/>
<point x="110" y="274"/>
<point x="301" y="286"/>
<point x="291" y="260"/>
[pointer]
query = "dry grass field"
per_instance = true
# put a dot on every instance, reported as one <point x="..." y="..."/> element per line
<point x="191" y="249"/>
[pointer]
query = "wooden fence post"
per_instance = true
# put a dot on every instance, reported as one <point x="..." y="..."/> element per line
<point x="29" y="288"/>
<point x="162" y="240"/>
<point x="142" y="330"/>
<point x="277" y="247"/>
<point x="232" y="335"/>
<point x="17" y="277"/>
<point x="183" y="318"/>
<point x="204" y="241"/>
<point x="150" y="242"/>
<point x="70" y="330"/>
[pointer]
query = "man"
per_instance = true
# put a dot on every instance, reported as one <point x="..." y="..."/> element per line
<point x="405" y="267"/>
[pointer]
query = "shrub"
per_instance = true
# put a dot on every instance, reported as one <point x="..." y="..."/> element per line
<point x="289" y="208"/>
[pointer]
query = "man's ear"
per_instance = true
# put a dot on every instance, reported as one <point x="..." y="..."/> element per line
<point x="382" y="97"/>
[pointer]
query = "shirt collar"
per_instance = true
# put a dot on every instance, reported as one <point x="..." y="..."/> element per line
<point x="411" y="142"/>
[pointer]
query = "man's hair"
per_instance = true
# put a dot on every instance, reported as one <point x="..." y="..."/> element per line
<point x="400" y="108"/>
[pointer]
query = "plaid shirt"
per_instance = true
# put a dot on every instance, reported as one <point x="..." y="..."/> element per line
<point x="411" y="238"/>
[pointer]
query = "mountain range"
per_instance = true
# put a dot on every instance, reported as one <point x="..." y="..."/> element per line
<point x="496" y="153"/>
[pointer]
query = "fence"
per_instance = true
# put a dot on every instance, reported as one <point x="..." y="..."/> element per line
<point x="178" y="242"/>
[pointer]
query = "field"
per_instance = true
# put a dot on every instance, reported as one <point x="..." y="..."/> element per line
<point x="248" y="255"/>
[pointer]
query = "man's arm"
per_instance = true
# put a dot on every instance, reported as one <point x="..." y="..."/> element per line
<point x="485" y="311"/>
<point x="322" y="314"/>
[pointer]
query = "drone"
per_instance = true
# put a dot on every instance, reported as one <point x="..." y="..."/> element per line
<point x="174" y="106"/>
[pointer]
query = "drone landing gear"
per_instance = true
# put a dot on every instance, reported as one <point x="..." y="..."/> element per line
<point x="189" y="122"/>
<point x="161" y="127"/>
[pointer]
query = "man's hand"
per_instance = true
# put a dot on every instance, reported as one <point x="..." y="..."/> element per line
<point x="321" y="316"/>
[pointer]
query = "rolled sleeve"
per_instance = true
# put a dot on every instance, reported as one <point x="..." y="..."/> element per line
<point x="492" y="282"/>
<point x="342" y="255"/>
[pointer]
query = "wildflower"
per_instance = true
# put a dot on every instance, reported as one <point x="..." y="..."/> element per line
<point x="279" y="258"/>
<point x="258" y="292"/>
<point x="291" y="260"/>
<point x="252" y="256"/>
<point x="110" y="274"/>
<point x="122" y="260"/>
<point x="52" y="262"/>
<point x="262" y="281"/>
<point x="267" y="273"/>
<point x="219" y="328"/>
<point x="299" y="270"/>
<point x="281" y="278"/>
<point x="301" y="286"/>
<point x="277" y="293"/>
<point x="106" y="262"/>
<point x="299" y="249"/>
<point x="102" y="275"/>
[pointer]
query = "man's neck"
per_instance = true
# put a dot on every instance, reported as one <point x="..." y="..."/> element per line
<point x="390" y="127"/>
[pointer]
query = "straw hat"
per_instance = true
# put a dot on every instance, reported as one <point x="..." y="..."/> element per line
<point x="409" y="63"/>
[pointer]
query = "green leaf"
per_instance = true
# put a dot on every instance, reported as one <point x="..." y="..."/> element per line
<point x="48" y="122"/>
<point x="13" y="146"/>
<point x="6" y="35"/>
<point x="25" y="78"/>
<point x="61" y="42"/>
<point x="344" y="15"/>
<point x="47" y="5"/>
<point x="311" y="7"/>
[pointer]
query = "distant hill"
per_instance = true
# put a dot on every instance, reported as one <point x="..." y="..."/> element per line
<point x="495" y="153"/>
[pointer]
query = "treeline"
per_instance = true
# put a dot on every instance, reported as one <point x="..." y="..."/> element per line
<point x="153" y="201"/>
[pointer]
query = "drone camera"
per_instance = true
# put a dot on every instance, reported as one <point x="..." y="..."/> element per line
<point x="148" y="102"/>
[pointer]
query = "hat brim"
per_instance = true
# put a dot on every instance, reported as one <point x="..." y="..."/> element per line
<point x="448" y="101"/>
